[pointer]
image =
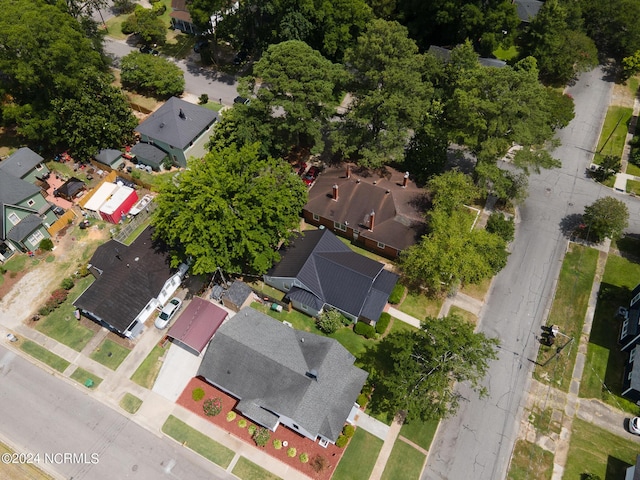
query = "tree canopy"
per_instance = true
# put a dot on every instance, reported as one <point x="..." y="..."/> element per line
<point x="423" y="365"/>
<point x="230" y="209"/>
<point x="606" y="217"/>
<point x="151" y="75"/>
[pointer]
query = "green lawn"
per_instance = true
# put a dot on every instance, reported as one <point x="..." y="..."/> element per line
<point x="147" y="372"/>
<point x="405" y="462"/>
<point x="628" y="245"/>
<point x="530" y="461"/>
<point x="605" y="362"/>
<point x="110" y="354"/>
<point x="420" y="433"/>
<point x="567" y="312"/>
<point x="198" y="442"/>
<point x="479" y="290"/>
<point x="130" y="403"/>
<point x="247" y="470"/>
<point x="44" y="355"/>
<point x="359" y="458"/>
<point x="599" y="452"/>
<point x="81" y="376"/>
<point x="465" y="314"/>
<point x="61" y="324"/>
<point x="614" y="132"/>
<point x="215" y="106"/>
<point x="633" y="186"/>
<point x="632" y="170"/>
<point x="17" y="263"/>
<point x="260" y="286"/>
<point x="114" y="27"/>
<point x="138" y="230"/>
<point x="418" y="305"/>
<point x="356" y="344"/>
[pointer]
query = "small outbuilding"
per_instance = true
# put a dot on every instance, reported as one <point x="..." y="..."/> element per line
<point x="110" y="157"/>
<point x="237" y="296"/>
<point x="70" y="189"/>
<point x="119" y="204"/>
<point x="197" y="324"/>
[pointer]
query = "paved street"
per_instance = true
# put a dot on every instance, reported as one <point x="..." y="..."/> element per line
<point x="44" y="415"/>
<point x="477" y="442"/>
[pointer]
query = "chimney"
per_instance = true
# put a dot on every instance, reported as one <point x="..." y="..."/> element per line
<point x="335" y="191"/>
<point x="405" y="179"/>
<point x="182" y="115"/>
<point x="372" y="218"/>
<point x="348" y="170"/>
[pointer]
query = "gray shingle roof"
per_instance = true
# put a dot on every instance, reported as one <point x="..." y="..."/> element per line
<point x="21" y="162"/>
<point x="527" y="9"/>
<point x="336" y="275"/>
<point x="23" y="229"/>
<point x="444" y="54"/>
<point x="237" y="293"/>
<point x="13" y="191"/>
<point x="108" y="156"/>
<point x="149" y="154"/>
<point x="265" y="364"/>
<point x="131" y="276"/>
<point x="177" y="122"/>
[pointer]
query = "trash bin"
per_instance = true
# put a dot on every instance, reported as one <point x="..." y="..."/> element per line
<point x="276" y="308"/>
<point x="88" y="383"/>
<point x="12" y="338"/>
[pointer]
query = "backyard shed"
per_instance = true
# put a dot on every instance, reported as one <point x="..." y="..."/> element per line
<point x="237" y="296"/>
<point x="196" y="325"/>
<point x="98" y="198"/>
<point x="119" y="204"/>
<point x="70" y="189"/>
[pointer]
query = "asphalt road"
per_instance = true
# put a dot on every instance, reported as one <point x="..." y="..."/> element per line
<point x="478" y="441"/>
<point x="198" y="80"/>
<point x="46" y="416"/>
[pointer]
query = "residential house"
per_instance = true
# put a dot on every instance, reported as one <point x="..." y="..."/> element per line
<point x="444" y="54"/>
<point x="633" y="472"/>
<point x="180" y="17"/>
<point x="383" y="214"/>
<point x="319" y="271"/>
<point x="131" y="282"/>
<point x="25" y="216"/>
<point x="25" y="164"/>
<point x="527" y="9"/>
<point x="179" y="129"/>
<point x="280" y="375"/>
<point x="629" y="342"/>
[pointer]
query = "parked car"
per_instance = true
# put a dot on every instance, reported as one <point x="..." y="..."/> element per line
<point x="634" y="425"/>
<point x="311" y="175"/>
<point x="240" y="57"/>
<point x="167" y="313"/>
<point x="200" y="44"/>
<point x="149" y="50"/>
<point x="301" y="168"/>
<point x="241" y="100"/>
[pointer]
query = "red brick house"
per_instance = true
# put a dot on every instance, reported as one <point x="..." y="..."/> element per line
<point x="382" y="214"/>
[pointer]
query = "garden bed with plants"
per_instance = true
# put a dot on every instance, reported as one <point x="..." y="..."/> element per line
<point x="283" y="444"/>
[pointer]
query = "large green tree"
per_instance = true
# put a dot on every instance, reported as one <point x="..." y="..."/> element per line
<point x="561" y="51"/>
<point x="299" y="87"/>
<point x="422" y="366"/>
<point x="147" y="24"/>
<point x="613" y="25"/>
<point x="151" y="75"/>
<point x="607" y="217"/>
<point x="390" y="96"/>
<point x="230" y="209"/>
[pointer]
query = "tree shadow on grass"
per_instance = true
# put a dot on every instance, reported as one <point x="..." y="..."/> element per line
<point x="616" y="468"/>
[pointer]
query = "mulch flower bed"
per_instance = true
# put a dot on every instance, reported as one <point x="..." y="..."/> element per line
<point x="331" y="454"/>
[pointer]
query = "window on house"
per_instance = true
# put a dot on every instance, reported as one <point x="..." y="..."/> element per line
<point x="381" y="245"/>
<point x="625" y="327"/>
<point x="35" y="238"/>
<point x="295" y="426"/>
<point x="31" y="203"/>
<point x="340" y="226"/>
<point x="632" y="354"/>
<point x="304" y="307"/>
<point x="635" y="299"/>
<point x="316" y="217"/>
<point x="287" y="286"/>
<point x="39" y="166"/>
<point x="13" y="218"/>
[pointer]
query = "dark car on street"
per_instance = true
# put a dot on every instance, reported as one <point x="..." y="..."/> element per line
<point x="149" y="50"/>
<point x="311" y="176"/>
<point x="241" y="100"/>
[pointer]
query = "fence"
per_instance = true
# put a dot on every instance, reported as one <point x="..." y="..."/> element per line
<point x="68" y="217"/>
<point x="127" y="228"/>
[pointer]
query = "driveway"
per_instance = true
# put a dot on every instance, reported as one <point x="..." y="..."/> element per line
<point x="477" y="442"/>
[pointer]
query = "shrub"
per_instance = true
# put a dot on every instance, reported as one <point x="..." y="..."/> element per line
<point x="212" y="406"/>
<point x="396" y="294"/>
<point x="304" y="458"/>
<point x="501" y="226"/>
<point x="319" y="463"/>
<point x="158" y="9"/>
<point x="329" y="321"/>
<point x="68" y="283"/>
<point x="364" y="329"/>
<point x="362" y="400"/>
<point x="83" y="271"/>
<point x="167" y="163"/>
<point x="277" y="444"/>
<point x="342" y="441"/>
<point x="203" y="99"/>
<point x="197" y="394"/>
<point x="58" y="296"/>
<point x="46" y="245"/>
<point x="261" y="436"/>
<point x="231" y="416"/>
<point x="44" y="311"/>
<point x="348" y="431"/>
<point x="291" y="452"/>
<point x="252" y="429"/>
<point x="242" y="423"/>
<point x="383" y="323"/>
<point x="136" y="174"/>
<point x="123" y="6"/>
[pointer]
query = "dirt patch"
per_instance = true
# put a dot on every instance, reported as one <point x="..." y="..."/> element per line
<point x="622" y="96"/>
<point x="332" y="453"/>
